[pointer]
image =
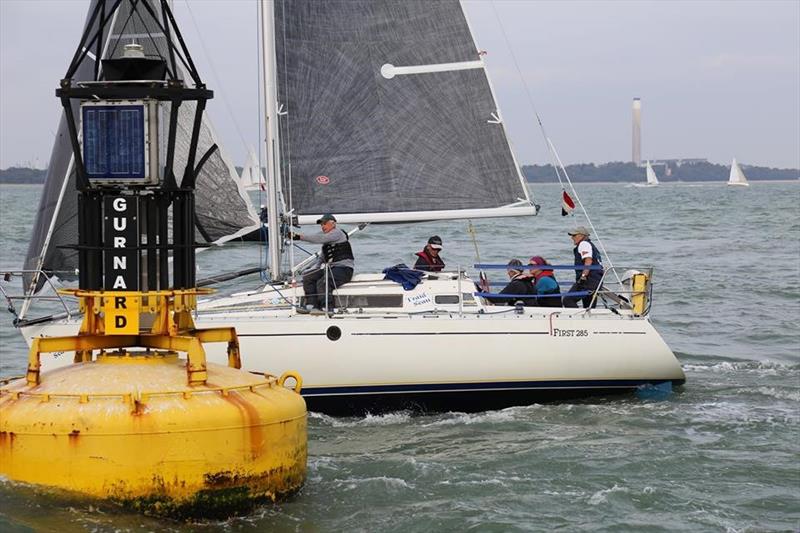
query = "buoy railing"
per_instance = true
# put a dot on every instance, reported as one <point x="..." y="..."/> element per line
<point x="46" y="278"/>
<point x="270" y="380"/>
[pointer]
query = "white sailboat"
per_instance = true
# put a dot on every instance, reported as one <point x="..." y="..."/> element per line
<point x="650" y="175"/>
<point x="252" y="178"/>
<point x="652" y="179"/>
<point x="737" y="177"/>
<point x="373" y="126"/>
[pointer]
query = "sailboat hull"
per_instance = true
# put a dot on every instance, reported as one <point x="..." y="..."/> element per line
<point x="354" y="365"/>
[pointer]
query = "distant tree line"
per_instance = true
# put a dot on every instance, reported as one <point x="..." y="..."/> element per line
<point x="630" y="172"/>
<point x="583" y="172"/>
<point x="22" y="175"/>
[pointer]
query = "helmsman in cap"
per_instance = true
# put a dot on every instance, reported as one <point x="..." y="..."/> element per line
<point x="587" y="278"/>
<point x="336" y="256"/>
<point x="429" y="259"/>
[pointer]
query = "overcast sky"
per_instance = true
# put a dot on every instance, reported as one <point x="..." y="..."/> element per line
<point x="717" y="79"/>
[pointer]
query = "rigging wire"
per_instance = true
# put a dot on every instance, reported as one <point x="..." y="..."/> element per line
<point x="555" y="159"/>
<point x="217" y="78"/>
<point x="288" y="155"/>
<point x="262" y="254"/>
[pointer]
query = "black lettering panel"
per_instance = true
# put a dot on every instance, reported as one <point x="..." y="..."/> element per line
<point x="121" y="237"/>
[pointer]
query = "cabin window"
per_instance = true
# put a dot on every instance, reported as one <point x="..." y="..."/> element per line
<point x="372" y="300"/>
<point x="447" y="299"/>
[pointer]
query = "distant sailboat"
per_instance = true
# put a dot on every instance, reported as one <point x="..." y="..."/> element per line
<point x="652" y="180"/>
<point x="251" y="177"/>
<point x="737" y="176"/>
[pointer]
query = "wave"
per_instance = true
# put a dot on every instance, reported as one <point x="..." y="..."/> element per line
<point x="601" y="495"/>
<point x="387" y="419"/>
<point x="765" y="367"/>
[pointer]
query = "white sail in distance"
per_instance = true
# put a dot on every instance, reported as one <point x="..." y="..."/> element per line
<point x="737" y="177"/>
<point x="251" y="177"/>
<point x="652" y="179"/>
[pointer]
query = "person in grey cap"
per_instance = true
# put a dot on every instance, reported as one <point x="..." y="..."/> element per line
<point x="336" y="256"/>
<point x="587" y="278"/>
<point x="429" y="259"/>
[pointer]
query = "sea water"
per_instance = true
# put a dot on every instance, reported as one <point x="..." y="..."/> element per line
<point x="720" y="454"/>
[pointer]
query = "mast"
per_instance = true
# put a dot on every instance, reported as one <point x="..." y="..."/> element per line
<point x="269" y="91"/>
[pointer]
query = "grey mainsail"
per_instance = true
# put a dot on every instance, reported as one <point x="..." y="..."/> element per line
<point x="223" y="209"/>
<point x="387" y="108"/>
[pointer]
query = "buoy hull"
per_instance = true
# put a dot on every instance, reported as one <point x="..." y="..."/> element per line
<point x="135" y="438"/>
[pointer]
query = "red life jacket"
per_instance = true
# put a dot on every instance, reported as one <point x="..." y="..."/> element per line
<point x="428" y="262"/>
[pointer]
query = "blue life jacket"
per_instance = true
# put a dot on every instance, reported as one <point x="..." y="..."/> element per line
<point x="594" y="275"/>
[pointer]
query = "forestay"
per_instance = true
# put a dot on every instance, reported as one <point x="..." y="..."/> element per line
<point x="387" y="114"/>
<point x="223" y="211"/>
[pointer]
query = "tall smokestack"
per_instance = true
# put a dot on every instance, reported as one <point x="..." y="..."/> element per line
<point x="637" y="131"/>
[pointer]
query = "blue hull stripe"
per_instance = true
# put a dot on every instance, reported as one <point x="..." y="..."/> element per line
<point x="478" y="387"/>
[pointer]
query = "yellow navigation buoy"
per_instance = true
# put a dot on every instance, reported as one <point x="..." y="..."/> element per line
<point x="130" y="428"/>
<point x="131" y="421"/>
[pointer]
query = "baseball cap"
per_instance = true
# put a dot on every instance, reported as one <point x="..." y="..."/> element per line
<point x="435" y="242"/>
<point x="326" y="217"/>
<point x="580" y="230"/>
<point x="537" y="260"/>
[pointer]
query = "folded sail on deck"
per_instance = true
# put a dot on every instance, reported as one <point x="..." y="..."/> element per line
<point x="388" y="115"/>
<point x="223" y="211"/>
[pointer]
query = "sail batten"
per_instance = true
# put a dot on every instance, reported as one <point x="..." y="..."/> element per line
<point x="389" y="110"/>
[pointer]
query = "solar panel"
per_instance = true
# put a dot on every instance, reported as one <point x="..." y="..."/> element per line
<point x="115" y="142"/>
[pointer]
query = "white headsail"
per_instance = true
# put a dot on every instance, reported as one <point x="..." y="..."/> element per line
<point x="737" y="176"/>
<point x="651" y="175"/>
<point x="251" y="177"/>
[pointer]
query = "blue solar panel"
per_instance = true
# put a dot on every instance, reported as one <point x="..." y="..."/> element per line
<point x="113" y="142"/>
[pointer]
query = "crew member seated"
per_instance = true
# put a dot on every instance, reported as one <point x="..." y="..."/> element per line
<point x="429" y="259"/>
<point x="519" y="283"/>
<point x="544" y="283"/>
<point x="336" y="256"/>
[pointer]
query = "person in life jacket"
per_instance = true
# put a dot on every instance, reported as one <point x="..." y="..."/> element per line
<point x="544" y="283"/>
<point x="519" y="284"/>
<point x="429" y="259"/>
<point x="586" y="278"/>
<point x="336" y="257"/>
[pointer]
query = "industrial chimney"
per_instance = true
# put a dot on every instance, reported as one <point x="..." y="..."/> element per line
<point x="637" y="131"/>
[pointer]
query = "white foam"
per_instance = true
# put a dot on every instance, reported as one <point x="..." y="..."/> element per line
<point x="386" y="481"/>
<point x="388" y="419"/>
<point x="765" y="367"/>
<point x="781" y="394"/>
<point x="600" y="496"/>
<point x="488" y="417"/>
